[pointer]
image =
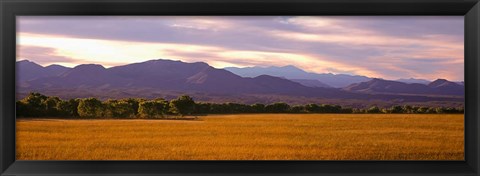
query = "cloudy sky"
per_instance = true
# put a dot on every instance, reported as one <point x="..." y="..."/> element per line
<point x="384" y="47"/>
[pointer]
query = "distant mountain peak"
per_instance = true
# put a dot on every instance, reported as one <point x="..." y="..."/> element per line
<point x="28" y="62"/>
<point x="377" y="80"/>
<point x="163" y="61"/>
<point x="267" y="77"/>
<point x="438" y="82"/>
<point x="442" y="82"/>
<point x="289" y="67"/>
<point x="272" y="67"/>
<point x="25" y="61"/>
<point x="292" y="72"/>
<point x="438" y="87"/>
<point x="158" y="61"/>
<point x="414" y="80"/>
<point x="56" y="66"/>
<point x="411" y="78"/>
<point x="30" y="70"/>
<point x="92" y="66"/>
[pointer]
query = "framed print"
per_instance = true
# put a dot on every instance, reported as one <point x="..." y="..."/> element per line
<point x="239" y="88"/>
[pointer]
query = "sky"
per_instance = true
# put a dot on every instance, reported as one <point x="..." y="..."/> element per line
<point x="388" y="47"/>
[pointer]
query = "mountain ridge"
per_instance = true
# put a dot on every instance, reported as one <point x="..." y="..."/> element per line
<point x="168" y="75"/>
<point x="157" y="76"/>
<point x="439" y="86"/>
<point x="292" y="72"/>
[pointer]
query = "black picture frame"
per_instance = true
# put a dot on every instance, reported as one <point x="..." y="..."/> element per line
<point x="9" y="9"/>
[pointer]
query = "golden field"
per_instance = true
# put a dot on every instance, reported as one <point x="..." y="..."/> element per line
<point x="246" y="137"/>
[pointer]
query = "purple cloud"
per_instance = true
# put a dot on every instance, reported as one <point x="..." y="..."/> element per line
<point x="41" y="55"/>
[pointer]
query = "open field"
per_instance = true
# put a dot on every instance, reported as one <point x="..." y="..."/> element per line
<point x="247" y="137"/>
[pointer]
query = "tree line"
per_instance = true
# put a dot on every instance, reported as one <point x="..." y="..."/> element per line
<point x="38" y="105"/>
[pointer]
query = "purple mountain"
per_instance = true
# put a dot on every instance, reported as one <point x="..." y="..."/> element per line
<point x="27" y="70"/>
<point x="155" y="77"/>
<point x="298" y="75"/>
<point x="167" y="75"/>
<point x="413" y="80"/>
<point x="311" y="83"/>
<point x="438" y="87"/>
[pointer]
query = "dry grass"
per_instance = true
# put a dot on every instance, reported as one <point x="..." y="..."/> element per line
<point x="247" y="137"/>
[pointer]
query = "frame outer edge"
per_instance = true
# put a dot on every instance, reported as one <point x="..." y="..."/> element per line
<point x="477" y="57"/>
<point x="472" y="65"/>
<point x="470" y="51"/>
<point x="2" y="123"/>
<point x="7" y="84"/>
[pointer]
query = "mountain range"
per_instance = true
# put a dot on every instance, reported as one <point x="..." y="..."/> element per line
<point x="437" y="87"/>
<point x="413" y="80"/>
<point x="157" y="74"/>
<point x="156" y="77"/>
<point x="293" y="73"/>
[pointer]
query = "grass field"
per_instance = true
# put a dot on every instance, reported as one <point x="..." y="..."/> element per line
<point x="247" y="137"/>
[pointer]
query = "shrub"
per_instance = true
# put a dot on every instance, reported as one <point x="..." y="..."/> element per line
<point x="396" y="109"/>
<point x="120" y="109"/>
<point x="277" y="108"/>
<point x="90" y="107"/>
<point x="69" y="108"/>
<point x="374" y="110"/>
<point x="258" y="108"/>
<point x="297" y="109"/>
<point x="183" y="105"/>
<point x="152" y="109"/>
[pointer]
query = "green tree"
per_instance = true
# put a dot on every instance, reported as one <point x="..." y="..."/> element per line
<point x="422" y="110"/>
<point x="347" y="110"/>
<point x="152" y="109"/>
<point x="90" y="107"/>
<point x="258" y="108"/>
<point x="202" y="108"/>
<point x="415" y="109"/>
<point x="297" y="109"/>
<point x="358" y="111"/>
<point x="69" y="108"/>
<point x="312" y="108"/>
<point x="326" y="108"/>
<point x="431" y="110"/>
<point x="277" y="108"/>
<point x="219" y="108"/>
<point x="374" y="110"/>
<point x="440" y="110"/>
<point x="34" y="105"/>
<point x="408" y="109"/>
<point x="51" y="105"/>
<point x="134" y="103"/>
<point x="120" y="108"/>
<point x="237" y="108"/>
<point x="183" y="105"/>
<point x="165" y="105"/>
<point x="386" y="110"/>
<point x="396" y="109"/>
